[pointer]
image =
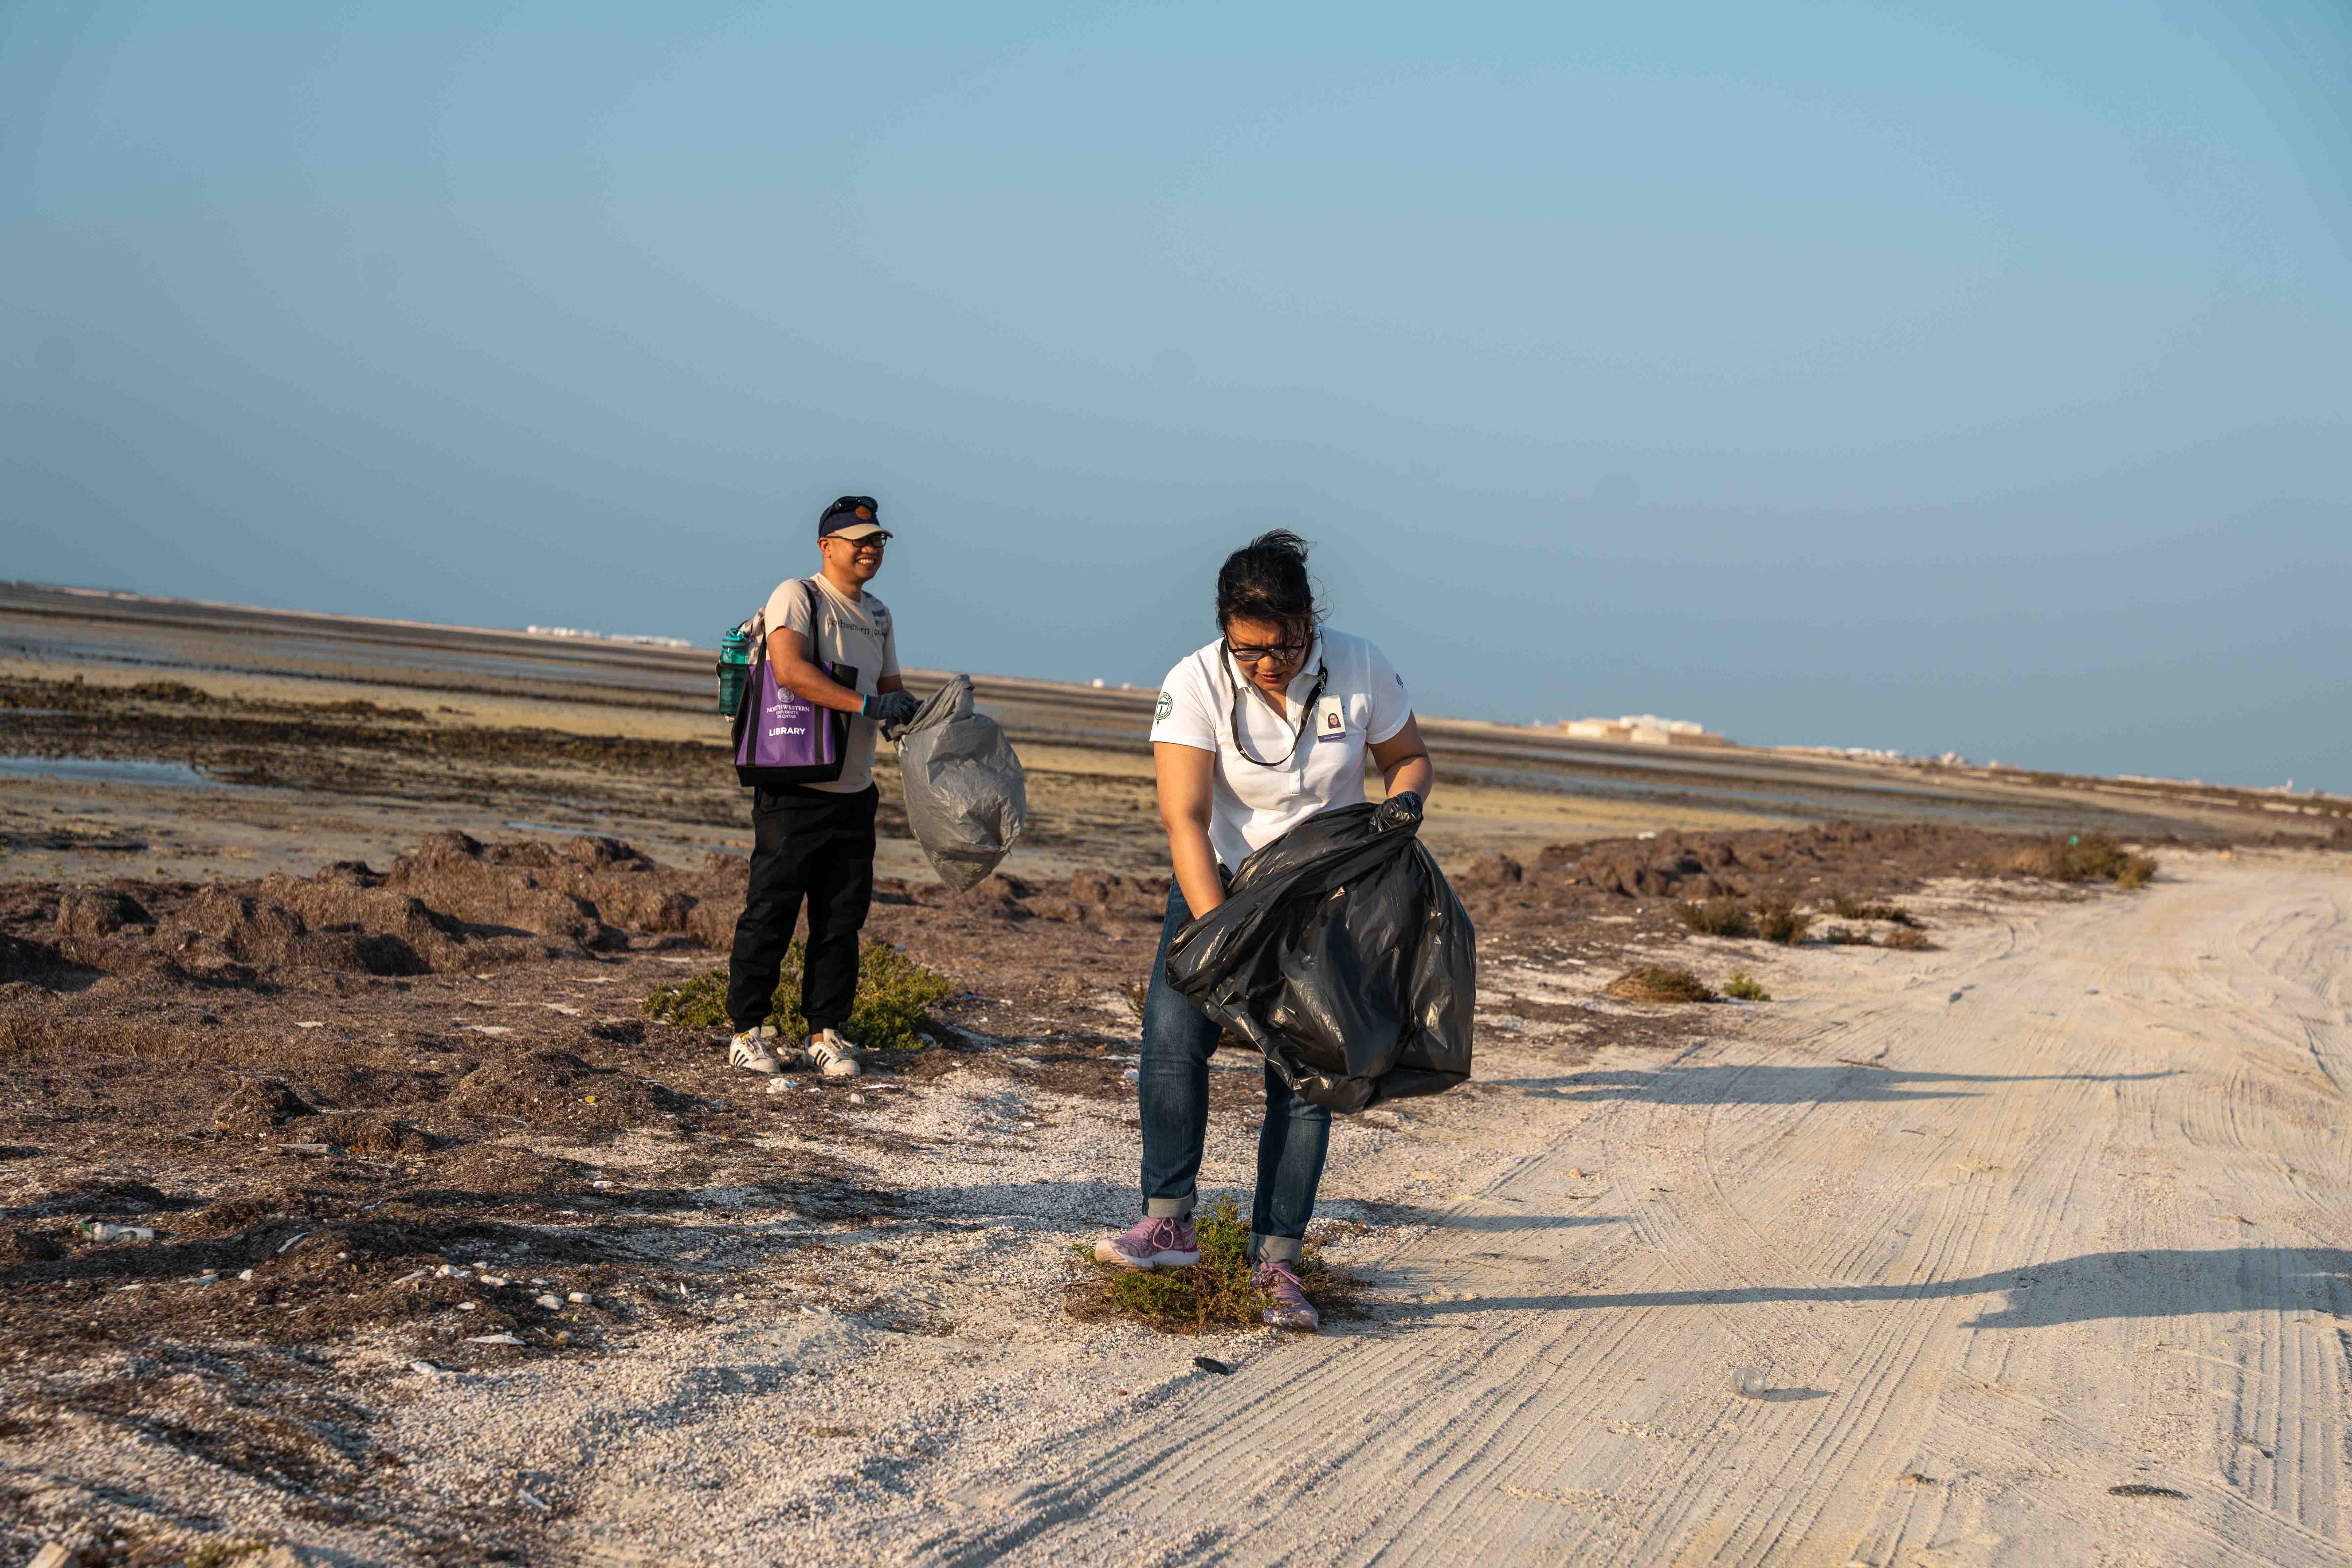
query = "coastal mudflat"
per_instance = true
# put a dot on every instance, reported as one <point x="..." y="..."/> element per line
<point x="456" y="1254"/>
<point x="335" y="981"/>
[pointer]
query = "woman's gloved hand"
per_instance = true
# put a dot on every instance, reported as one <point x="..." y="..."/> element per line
<point x="1399" y="810"/>
<point x="891" y="710"/>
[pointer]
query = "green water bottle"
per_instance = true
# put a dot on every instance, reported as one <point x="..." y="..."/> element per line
<point x="734" y="670"/>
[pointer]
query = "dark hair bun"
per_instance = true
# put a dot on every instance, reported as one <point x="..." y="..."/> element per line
<point x="1265" y="579"/>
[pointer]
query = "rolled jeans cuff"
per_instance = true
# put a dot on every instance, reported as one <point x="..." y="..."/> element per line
<point x="1169" y="1208"/>
<point x="1275" y="1249"/>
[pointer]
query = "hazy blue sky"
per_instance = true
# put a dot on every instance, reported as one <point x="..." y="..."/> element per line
<point x="1957" y="375"/>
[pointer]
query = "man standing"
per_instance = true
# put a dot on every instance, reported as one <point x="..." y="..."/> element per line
<point x="816" y="841"/>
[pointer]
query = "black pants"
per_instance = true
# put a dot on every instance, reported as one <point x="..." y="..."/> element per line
<point x="803" y="842"/>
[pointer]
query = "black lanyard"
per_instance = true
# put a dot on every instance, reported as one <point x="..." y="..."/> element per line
<point x="1306" y="711"/>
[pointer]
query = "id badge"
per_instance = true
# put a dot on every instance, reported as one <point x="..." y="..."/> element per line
<point x="1331" y="719"/>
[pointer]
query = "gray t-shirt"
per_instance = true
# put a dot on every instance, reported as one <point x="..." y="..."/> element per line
<point x="857" y="635"/>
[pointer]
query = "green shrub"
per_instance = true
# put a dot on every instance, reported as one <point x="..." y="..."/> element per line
<point x="2084" y="858"/>
<point x="1716" y="917"/>
<point x="1652" y="983"/>
<point x="218" y="1553"/>
<point x="1215" y="1295"/>
<point x="894" y="993"/>
<point x="1777" y="919"/>
<point x="1909" y="940"/>
<point x="1745" y="987"/>
<point x="1847" y="936"/>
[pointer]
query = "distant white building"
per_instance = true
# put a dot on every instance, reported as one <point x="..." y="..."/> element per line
<point x="1643" y="729"/>
<point x="636" y="639"/>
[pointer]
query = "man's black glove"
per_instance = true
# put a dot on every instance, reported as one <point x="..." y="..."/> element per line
<point x="893" y="710"/>
<point x="1401" y="809"/>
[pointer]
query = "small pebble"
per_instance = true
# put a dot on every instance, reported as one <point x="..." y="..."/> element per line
<point x="548" y="1301"/>
<point x="245" y="1274"/>
<point x="579" y="1298"/>
<point x="494" y="1281"/>
<point x="468" y="1306"/>
<point x="1211" y="1363"/>
<point x="492" y="1340"/>
<point x="856" y="1098"/>
<point x="1133" y="1075"/>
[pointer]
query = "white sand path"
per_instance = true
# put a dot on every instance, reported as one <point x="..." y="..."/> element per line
<point x="2060" y="1209"/>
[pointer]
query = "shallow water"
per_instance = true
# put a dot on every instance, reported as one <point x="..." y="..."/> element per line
<point x="106" y="770"/>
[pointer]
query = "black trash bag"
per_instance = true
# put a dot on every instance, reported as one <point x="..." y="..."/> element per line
<point x="1341" y="954"/>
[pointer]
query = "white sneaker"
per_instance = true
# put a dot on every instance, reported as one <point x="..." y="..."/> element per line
<point x="750" y="1049"/>
<point x="833" y="1055"/>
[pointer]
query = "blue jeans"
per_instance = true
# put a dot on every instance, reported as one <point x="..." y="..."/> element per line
<point x="1178" y="1038"/>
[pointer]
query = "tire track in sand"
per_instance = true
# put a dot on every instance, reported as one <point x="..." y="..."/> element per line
<point x="1982" y="1274"/>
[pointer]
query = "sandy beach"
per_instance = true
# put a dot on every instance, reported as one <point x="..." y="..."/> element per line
<point x="2022" y="1246"/>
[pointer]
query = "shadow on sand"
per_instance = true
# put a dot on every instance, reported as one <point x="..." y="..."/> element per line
<point x="2160" y="1282"/>
<point x="1764" y="1085"/>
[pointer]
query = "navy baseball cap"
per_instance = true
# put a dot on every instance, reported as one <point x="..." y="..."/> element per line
<point x="852" y="516"/>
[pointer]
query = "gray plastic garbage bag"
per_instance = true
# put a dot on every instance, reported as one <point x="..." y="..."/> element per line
<point x="966" y="798"/>
<point x="1340" y="952"/>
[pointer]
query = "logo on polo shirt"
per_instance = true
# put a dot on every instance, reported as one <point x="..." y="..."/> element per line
<point x="1166" y="702"/>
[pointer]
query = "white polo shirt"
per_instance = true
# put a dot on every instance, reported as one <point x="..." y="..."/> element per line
<point x="1317" y="750"/>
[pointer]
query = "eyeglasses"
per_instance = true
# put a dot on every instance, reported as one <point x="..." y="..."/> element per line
<point x="1281" y="653"/>
<point x="871" y="541"/>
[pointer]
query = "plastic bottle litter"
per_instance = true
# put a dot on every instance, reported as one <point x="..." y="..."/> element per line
<point x="101" y="1231"/>
<point x="1749" y="1383"/>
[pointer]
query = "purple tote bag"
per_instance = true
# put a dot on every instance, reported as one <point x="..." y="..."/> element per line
<point x="783" y="739"/>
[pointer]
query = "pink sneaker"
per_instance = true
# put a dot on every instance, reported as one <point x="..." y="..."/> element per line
<point x="1151" y="1244"/>
<point x="1291" y="1308"/>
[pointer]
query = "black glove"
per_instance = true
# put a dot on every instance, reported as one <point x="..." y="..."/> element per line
<point x="894" y="711"/>
<point x="1401" y="809"/>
